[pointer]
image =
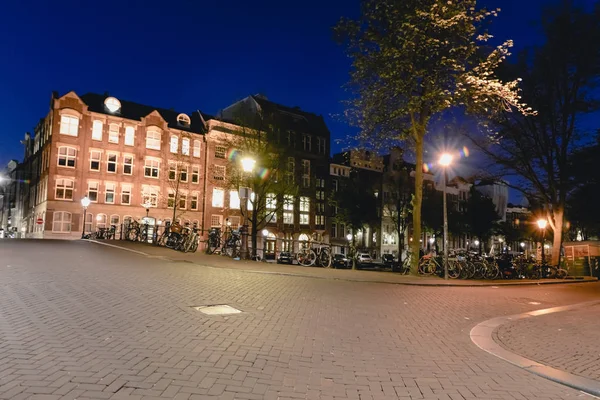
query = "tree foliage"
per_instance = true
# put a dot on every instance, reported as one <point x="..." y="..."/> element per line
<point x="413" y="59"/>
<point x="559" y="81"/>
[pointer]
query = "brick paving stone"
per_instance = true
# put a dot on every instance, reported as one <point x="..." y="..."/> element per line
<point x="568" y="340"/>
<point x="104" y="323"/>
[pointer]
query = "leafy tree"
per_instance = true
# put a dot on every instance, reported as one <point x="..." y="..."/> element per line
<point x="356" y="204"/>
<point x="413" y="59"/>
<point x="271" y="189"/>
<point x="559" y="81"/>
<point x="481" y="216"/>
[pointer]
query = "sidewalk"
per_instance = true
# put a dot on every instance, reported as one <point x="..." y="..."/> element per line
<point x="567" y="340"/>
<point x="217" y="261"/>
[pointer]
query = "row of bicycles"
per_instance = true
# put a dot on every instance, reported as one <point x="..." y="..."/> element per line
<point x="102" y="233"/>
<point x="175" y="236"/>
<point x="228" y="243"/>
<point x="475" y="266"/>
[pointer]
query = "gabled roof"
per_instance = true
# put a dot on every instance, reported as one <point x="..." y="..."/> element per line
<point x="136" y="111"/>
<point x="294" y="118"/>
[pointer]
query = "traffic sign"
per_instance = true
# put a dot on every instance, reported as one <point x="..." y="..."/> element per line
<point x="39" y="221"/>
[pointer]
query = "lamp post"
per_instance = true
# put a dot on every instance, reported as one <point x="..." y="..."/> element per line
<point x="248" y="164"/>
<point x="349" y="237"/>
<point x="542" y="223"/>
<point x="445" y="161"/>
<point x="85" y="202"/>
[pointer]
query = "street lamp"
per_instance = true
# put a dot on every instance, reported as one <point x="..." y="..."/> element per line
<point x="445" y="161"/>
<point x="85" y="203"/>
<point x="248" y="164"/>
<point x="542" y="223"/>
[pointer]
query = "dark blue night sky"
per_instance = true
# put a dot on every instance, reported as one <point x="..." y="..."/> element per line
<point x="185" y="55"/>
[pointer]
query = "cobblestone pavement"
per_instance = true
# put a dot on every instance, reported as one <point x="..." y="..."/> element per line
<point x="369" y="275"/>
<point x="79" y="320"/>
<point x="568" y="340"/>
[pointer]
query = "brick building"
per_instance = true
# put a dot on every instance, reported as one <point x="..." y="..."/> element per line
<point x="118" y="153"/>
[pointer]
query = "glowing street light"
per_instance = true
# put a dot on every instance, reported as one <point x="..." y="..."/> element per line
<point x="522" y="244"/>
<point x="476" y="242"/>
<point x="85" y="203"/>
<point x="265" y="232"/>
<point x="445" y="160"/>
<point x="248" y="164"/>
<point x="542" y="223"/>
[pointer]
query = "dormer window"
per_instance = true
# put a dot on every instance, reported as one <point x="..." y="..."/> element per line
<point x="183" y="119"/>
<point x="112" y="104"/>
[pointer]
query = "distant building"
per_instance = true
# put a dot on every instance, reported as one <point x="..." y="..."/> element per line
<point x="498" y="192"/>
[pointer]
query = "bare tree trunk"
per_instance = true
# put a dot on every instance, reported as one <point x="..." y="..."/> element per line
<point x="417" y="201"/>
<point x="558" y="215"/>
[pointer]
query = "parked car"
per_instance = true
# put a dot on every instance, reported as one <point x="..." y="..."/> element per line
<point x="388" y="260"/>
<point x="285" y="257"/>
<point x="364" y="258"/>
<point x="341" y="261"/>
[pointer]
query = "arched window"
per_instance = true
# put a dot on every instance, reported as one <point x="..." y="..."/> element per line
<point x="101" y="221"/>
<point x="61" y="222"/>
<point x="114" y="219"/>
<point x="196" y="150"/>
<point x="153" y="139"/>
<point x="303" y="237"/>
<point x="174" y="144"/>
<point x="183" y="119"/>
<point x="112" y="104"/>
<point x="67" y="156"/>
<point x="185" y="146"/>
<point x="89" y="222"/>
<point x="127" y="220"/>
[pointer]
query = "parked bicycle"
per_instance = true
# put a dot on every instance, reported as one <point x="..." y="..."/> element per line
<point x="319" y="255"/>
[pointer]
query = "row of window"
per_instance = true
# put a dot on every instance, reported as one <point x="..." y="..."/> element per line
<point x="69" y="125"/>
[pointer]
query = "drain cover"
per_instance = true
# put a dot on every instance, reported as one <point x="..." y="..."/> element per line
<point x="218" y="309"/>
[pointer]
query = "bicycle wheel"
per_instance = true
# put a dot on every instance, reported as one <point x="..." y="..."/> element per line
<point x="453" y="269"/>
<point x="561" y="273"/>
<point x="132" y="234"/>
<point x="551" y="272"/>
<point x="213" y="245"/>
<point x="533" y="272"/>
<point x="194" y="245"/>
<point x="306" y="257"/>
<point x="479" y="268"/>
<point x="492" y="271"/>
<point x="325" y="258"/>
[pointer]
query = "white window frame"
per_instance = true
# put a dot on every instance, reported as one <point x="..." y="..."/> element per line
<point x="63" y="183"/>
<point x="195" y="173"/>
<point x="113" y="133"/>
<point x="129" y="136"/>
<point x="288" y="217"/>
<point x="89" y="222"/>
<point x="172" y="175"/>
<point x="218" y="198"/>
<point x="194" y="199"/>
<point x="304" y="219"/>
<point x="234" y="200"/>
<point x="152" y="164"/>
<point x="150" y="195"/>
<point x="153" y="139"/>
<point x="112" y="220"/>
<point x="69" y="125"/>
<point x="110" y="188"/>
<point x="271" y="201"/>
<point x="304" y="204"/>
<point x="67" y="157"/>
<point x="185" y="146"/>
<point x="128" y="164"/>
<point x="64" y="222"/>
<point x="97" y="127"/>
<point x="93" y="187"/>
<point x="99" y="159"/>
<point x="216" y="221"/>
<point x="126" y="190"/>
<point x="219" y="172"/>
<point x="101" y="220"/>
<point x="174" y="144"/>
<point x="183" y="169"/>
<point x="182" y="200"/>
<point x="109" y="163"/>
<point x="171" y="199"/>
<point x="197" y="148"/>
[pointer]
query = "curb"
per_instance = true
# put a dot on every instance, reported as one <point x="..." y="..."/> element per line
<point x="442" y="283"/>
<point x="483" y="337"/>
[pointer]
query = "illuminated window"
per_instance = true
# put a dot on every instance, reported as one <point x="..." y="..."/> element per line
<point x="69" y="125"/>
<point x="113" y="133"/>
<point x="150" y="196"/>
<point x="61" y="222"/>
<point x="271" y="201"/>
<point x="234" y="200"/>
<point x="66" y="156"/>
<point x="174" y="144"/>
<point x="304" y="204"/>
<point x="112" y="104"/>
<point x="101" y="221"/>
<point x="218" y="197"/>
<point x="129" y="135"/>
<point x="196" y="151"/>
<point x="97" y="130"/>
<point x="185" y="146"/>
<point x="153" y="139"/>
<point x="183" y="119"/>
<point x="288" y="217"/>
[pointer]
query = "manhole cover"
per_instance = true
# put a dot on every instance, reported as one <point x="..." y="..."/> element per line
<point x="218" y="309"/>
